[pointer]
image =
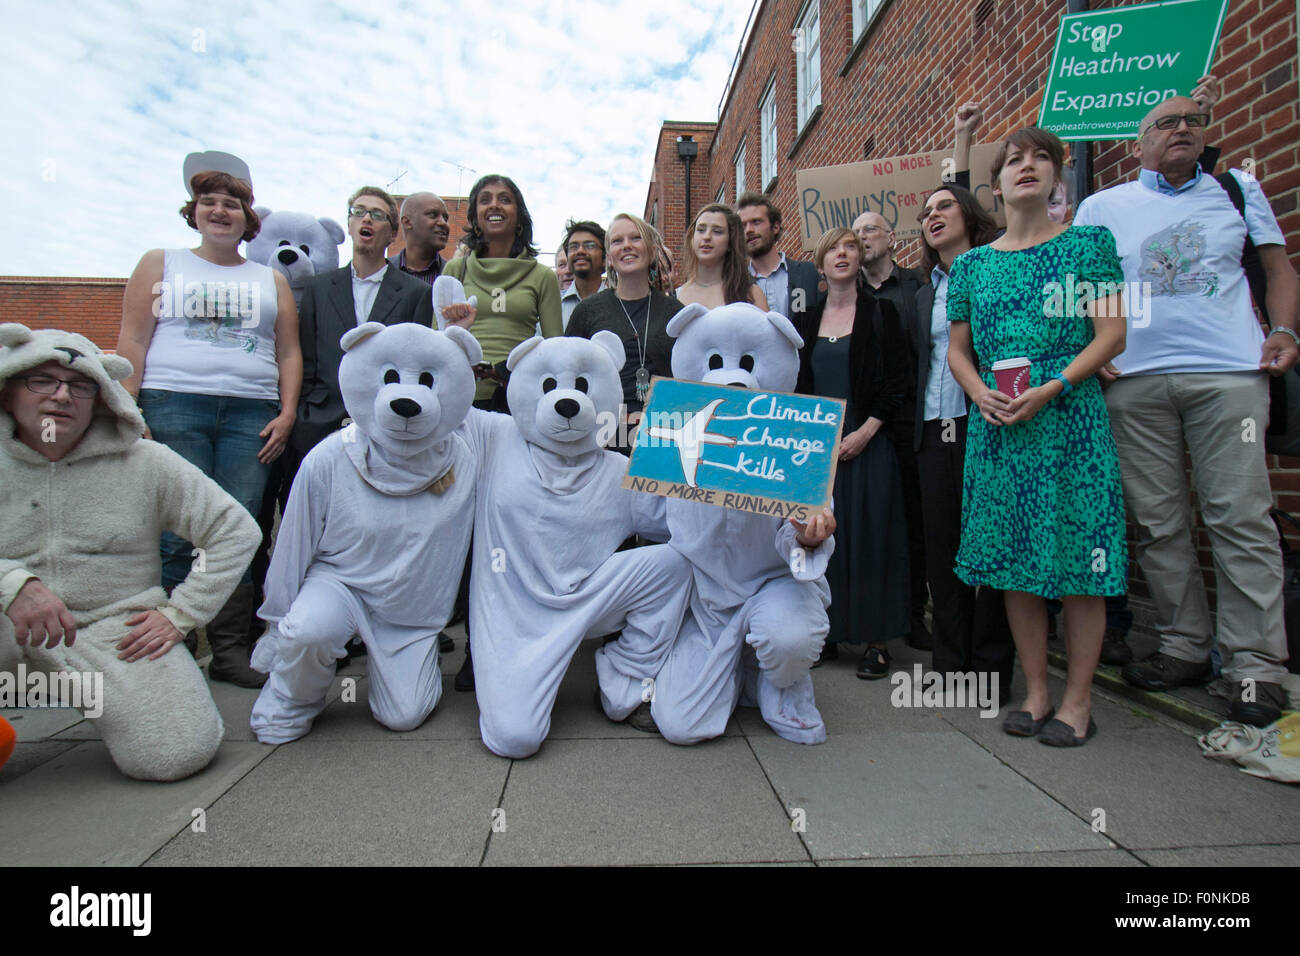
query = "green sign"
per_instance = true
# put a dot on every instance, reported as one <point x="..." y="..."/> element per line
<point x="1110" y="67"/>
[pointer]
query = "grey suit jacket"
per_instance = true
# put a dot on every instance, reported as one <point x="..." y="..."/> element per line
<point x="324" y="315"/>
<point x="805" y="278"/>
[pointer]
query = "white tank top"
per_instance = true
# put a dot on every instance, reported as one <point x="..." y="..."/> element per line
<point x="216" y="329"/>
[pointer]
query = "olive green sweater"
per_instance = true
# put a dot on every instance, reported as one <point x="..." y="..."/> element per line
<point x="514" y="296"/>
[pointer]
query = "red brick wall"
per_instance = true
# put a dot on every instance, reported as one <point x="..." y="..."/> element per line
<point x="921" y="58"/>
<point x="92" y="307"/>
<point x="668" y="182"/>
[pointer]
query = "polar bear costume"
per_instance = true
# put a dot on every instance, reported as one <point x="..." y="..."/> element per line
<point x="755" y="585"/>
<point x="551" y="513"/>
<point x="87" y="527"/>
<point x="375" y="534"/>
<point x="297" y="245"/>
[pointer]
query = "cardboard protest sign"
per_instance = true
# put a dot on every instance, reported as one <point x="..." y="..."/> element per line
<point x="895" y="187"/>
<point x="771" y="453"/>
<point x="1110" y="67"/>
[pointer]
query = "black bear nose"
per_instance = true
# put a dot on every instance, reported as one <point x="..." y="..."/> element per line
<point x="739" y="384"/>
<point x="567" y="407"/>
<point x="287" y="256"/>
<point x="405" y="407"/>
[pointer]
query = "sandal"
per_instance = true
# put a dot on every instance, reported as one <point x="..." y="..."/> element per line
<point x="875" y="663"/>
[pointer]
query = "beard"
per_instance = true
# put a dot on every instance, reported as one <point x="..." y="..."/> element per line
<point x="763" y="248"/>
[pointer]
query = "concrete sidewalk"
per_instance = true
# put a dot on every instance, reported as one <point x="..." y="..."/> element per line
<point x="891" y="786"/>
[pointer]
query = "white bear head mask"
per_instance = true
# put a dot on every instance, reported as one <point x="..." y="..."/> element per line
<point x="736" y="344"/>
<point x="565" y="390"/>
<point x="406" y="386"/>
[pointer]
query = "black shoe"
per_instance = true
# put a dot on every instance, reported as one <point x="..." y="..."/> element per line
<point x="1270" y="700"/>
<point x="465" y="676"/>
<point x="1115" y="649"/>
<point x="830" y="652"/>
<point x="445" y="644"/>
<point x="1020" y="723"/>
<point x="1162" y="672"/>
<point x="1057" y="733"/>
<point x="875" y="663"/>
<point x="920" y="637"/>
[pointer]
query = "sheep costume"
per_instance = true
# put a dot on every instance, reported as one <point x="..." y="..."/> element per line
<point x="87" y="527"/>
<point x="751" y="588"/>
<point x="551" y="513"/>
<point x="375" y="533"/>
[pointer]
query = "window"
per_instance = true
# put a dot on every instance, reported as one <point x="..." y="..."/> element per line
<point x="808" y="63"/>
<point x="740" y="170"/>
<point x="767" y="137"/>
<point x="863" y="12"/>
<point x="721" y="197"/>
<point x="654" y="213"/>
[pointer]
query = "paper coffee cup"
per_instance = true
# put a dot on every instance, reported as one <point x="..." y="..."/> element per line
<point x="1012" y="376"/>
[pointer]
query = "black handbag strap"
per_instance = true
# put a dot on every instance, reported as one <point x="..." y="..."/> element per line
<point x="1279" y="516"/>
<point x="1250" y="261"/>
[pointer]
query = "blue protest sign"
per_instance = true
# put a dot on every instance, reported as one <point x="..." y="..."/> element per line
<point x="766" y="452"/>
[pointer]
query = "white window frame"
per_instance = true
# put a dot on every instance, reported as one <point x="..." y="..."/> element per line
<point x="767" y="136"/>
<point x="738" y="163"/>
<point x="808" y="63"/>
<point x="864" y="11"/>
<point x="721" y="197"/>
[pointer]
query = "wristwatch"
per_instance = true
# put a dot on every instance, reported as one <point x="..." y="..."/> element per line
<point x="1282" y="328"/>
<point x="1065" y="382"/>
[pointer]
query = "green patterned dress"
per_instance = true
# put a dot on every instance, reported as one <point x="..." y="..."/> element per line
<point x="1042" y="508"/>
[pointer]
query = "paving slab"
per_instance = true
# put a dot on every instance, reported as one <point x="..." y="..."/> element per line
<point x="28" y="756"/>
<point x="1069" y="858"/>
<point x="644" y="801"/>
<point x="1149" y="777"/>
<point x="40" y="723"/>
<point x="915" y="794"/>
<point x="1271" y="855"/>
<point x="91" y="815"/>
<point x="319" y="802"/>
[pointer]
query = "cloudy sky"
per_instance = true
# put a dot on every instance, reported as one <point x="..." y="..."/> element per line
<point x="103" y="100"/>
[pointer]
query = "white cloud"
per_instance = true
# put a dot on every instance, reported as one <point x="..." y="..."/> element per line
<point x="103" y="101"/>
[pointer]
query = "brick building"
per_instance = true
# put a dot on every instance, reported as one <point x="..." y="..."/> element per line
<point x="826" y="82"/>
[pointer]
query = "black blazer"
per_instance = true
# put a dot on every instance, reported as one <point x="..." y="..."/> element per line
<point x="324" y="315"/>
<point x="805" y="279"/>
<point x="877" y="358"/>
<point x="921" y="343"/>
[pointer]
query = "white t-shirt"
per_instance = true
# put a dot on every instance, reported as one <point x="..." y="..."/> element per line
<point x="1186" y="295"/>
<point x="215" y="333"/>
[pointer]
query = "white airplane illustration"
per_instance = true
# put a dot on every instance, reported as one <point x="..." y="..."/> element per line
<point x="691" y="436"/>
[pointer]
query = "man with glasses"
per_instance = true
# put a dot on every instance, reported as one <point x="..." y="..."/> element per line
<point x="1193" y="375"/>
<point x="365" y="290"/>
<point x="891" y="281"/>
<point x="584" y="245"/>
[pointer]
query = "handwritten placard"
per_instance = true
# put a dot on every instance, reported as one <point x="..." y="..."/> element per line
<point x="770" y="453"/>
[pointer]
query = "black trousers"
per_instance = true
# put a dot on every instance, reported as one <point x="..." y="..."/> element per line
<point x="900" y="431"/>
<point x="970" y="624"/>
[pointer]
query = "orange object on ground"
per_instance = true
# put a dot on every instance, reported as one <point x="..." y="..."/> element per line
<point x="7" y="740"/>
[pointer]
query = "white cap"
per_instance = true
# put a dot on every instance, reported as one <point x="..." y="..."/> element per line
<point x="214" y="161"/>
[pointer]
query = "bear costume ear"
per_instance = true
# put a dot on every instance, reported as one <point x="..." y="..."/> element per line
<point x="334" y="230"/>
<point x="786" y="328"/>
<point x="14" y="334"/>
<point x="361" y="332"/>
<point x="613" y="345"/>
<point x="118" y="367"/>
<point x="523" y="348"/>
<point x="677" y="324"/>
<point x="262" y="211"/>
<point x="468" y="344"/>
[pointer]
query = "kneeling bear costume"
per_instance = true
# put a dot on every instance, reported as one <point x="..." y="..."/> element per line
<point x="376" y="529"/>
<point x="749" y="588"/>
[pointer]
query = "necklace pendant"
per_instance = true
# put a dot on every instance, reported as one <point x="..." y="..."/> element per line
<point x="832" y="339"/>
<point x="642" y="383"/>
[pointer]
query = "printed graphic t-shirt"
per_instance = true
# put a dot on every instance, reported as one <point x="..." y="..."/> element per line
<point x="1186" y="295"/>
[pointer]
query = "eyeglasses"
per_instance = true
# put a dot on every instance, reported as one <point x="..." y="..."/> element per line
<point x="49" y="385"/>
<point x="943" y="205"/>
<point x="872" y="230"/>
<point x="587" y="245"/>
<point x="360" y="212"/>
<point x="1194" y="121"/>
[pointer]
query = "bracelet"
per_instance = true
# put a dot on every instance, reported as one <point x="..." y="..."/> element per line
<point x="1282" y="328"/>
<point x="1068" y="388"/>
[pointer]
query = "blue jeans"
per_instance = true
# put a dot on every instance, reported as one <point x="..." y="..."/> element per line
<point x="218" y="435"/>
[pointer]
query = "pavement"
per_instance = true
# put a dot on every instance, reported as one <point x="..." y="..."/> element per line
<point x="892" y="786"/>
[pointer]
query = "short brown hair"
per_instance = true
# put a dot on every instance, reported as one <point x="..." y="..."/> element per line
<point x="382" y="196"/>
<point x="830" y="239"/>
<point x="760" y="199"/>
<point x="1031" y="137"/>
<point x="216" y="182"/>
